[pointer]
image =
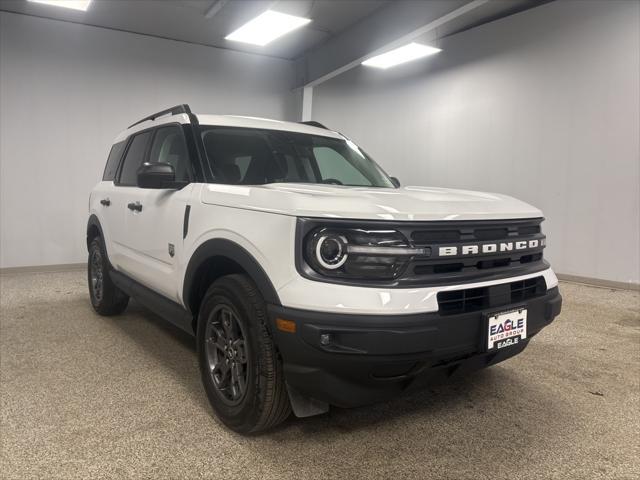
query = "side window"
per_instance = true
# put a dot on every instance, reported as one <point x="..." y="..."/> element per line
<point x="332" y="165"/>
<point x="238" y="158"/>
<point x="113" y="161"/>
<point x="133" y="159"/>
<point x="170" y="147"/>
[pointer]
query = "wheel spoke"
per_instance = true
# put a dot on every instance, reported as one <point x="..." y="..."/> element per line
<point x="226" y="349"/>
<point x="224" y="368"/>
<point x="241" y="353"/>
<point x="239" y="378"/>
<point x="220" y="372"/>
<point x="234" y="382"/>
<point x="227" y="323"/>
<point x="218" y="337"/>
<point x="216" y="343"/>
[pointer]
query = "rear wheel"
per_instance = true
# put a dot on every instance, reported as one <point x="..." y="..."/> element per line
<point x="106" y="298"/>
<point x="240" y="366"/>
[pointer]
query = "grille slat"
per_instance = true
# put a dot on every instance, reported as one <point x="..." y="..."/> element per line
<point x="473" y="263"/>
<point x="473" y="299"/>
<point x="445" y="234"/>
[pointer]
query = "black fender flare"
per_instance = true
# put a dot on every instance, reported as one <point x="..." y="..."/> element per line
<point x="93" y="222"/>
<point x="221" y="247"/>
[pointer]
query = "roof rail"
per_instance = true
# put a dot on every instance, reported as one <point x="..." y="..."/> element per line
<point x="313" y="123"/>
<point x="184" y="108"/>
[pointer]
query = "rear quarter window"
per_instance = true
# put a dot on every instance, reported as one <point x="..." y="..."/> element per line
<point x="113" y="161"/>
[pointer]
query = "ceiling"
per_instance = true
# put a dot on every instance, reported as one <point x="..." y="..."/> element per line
<point x="185" y="20"/>
<point x="207" y="22"/>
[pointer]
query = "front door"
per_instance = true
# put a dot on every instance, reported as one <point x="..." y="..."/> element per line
<point x="154" y="218"/>
<point x="124" y="185"/>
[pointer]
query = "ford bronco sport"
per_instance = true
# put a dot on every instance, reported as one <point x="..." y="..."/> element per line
<point x="308" y="276"/>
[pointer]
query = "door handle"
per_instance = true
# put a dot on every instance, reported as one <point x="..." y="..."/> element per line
<point x="137" y="206"/>
<point x="106" y="202"/>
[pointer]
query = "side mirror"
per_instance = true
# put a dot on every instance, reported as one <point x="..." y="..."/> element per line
<point x="158" y="175"/>
<point x="395" y="181"/>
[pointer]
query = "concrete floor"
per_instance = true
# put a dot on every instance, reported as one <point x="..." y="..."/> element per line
<point x="91" y="397"/>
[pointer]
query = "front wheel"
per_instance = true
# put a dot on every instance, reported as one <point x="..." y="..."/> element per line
<point x="240" y="366"/>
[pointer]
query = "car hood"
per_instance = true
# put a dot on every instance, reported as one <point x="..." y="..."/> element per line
<point x="333" y="201"/>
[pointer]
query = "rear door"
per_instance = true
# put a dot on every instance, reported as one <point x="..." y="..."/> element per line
<point x="154" y="218"/>
<point x="105" y="201"/>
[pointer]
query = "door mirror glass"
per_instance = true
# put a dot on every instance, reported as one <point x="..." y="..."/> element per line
<point x="158" y="175"/>
<point x="395" y="182"/>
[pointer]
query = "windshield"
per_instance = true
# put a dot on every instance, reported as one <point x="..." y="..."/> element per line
<point x="246" y="156"/>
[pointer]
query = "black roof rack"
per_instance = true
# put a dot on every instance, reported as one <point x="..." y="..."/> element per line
<point x="313" y="123"/>
<point x="184" y="108"/>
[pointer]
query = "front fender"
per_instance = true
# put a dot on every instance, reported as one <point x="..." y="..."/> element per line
<point x="221" y="247"/>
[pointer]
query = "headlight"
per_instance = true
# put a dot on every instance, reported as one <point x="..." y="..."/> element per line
<point x="331" y="250"/>
<point x="358" y="253"/>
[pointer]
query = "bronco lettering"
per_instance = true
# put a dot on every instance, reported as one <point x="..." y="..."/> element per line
<point x="489" y="248"/>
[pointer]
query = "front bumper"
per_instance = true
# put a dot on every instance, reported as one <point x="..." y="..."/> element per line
<point x="371" y="358"/>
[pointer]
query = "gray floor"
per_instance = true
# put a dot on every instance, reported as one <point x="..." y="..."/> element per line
<point x="91" y="397"/>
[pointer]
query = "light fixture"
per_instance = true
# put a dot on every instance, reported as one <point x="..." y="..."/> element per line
<point x="403" y="54"/>
<point x="73" y="4"/>
<point x="266" y="27"/>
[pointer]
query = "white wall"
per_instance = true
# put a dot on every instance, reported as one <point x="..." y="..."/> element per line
<point x="543" y="105"/>
<point x="66" y="90"/>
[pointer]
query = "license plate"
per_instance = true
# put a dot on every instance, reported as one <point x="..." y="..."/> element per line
<point x="506" y="329"/>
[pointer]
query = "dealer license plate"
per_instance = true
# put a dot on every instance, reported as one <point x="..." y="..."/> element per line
<point x="506" y="329"/>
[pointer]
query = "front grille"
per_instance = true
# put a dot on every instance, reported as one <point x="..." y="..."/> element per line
<point x="455" y="236"/>
<point x="474" y="299"/>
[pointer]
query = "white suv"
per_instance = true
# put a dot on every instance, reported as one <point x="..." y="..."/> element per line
<point x="308" y="275"/>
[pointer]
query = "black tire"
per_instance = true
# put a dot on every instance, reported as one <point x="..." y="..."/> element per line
<point x="264" y="402"/>
<point x="106" y="298"/>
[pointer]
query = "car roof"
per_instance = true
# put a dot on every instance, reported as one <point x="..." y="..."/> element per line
<point x="231" y="121"/>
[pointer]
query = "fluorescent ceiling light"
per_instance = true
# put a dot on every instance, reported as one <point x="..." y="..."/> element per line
<point x="400" y="55"/>
<point x="266" y="28"/>
<point x="73" y="4"/>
